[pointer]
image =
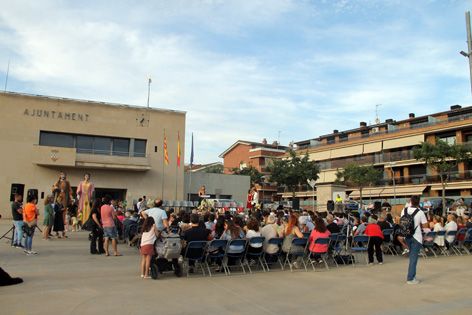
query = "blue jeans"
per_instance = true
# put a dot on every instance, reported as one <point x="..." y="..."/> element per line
<point x="18" y="235"/>
<point x="29" y="242"/>
<point x="415" y="248"/>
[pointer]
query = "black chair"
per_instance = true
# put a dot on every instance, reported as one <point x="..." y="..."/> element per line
<point x="255" y="255"/>
<point x="195" y="252"/>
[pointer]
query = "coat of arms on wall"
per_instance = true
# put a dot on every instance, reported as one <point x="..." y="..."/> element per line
<point x="54" y="155"/>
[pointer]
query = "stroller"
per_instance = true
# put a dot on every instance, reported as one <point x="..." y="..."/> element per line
<point x="167" y="248"/>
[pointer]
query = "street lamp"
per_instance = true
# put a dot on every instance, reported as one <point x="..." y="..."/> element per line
<point x="391" y="165"/>
<point x="312" y="183"/>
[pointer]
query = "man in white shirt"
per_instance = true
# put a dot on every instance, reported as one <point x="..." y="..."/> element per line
<point x="159" y="215"/>
<point x="416" y="241"/>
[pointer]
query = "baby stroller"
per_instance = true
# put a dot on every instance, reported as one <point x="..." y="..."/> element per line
<point x="166" y="258"/>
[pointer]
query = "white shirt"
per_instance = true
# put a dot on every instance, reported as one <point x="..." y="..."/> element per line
<point x="255" y="198"/>
<point x="270" y="231"/>
<point x="148" y="238"/>
<point x="419" y="220"/>
<point x="250" y="234"/>
<point x="450" y="226"/>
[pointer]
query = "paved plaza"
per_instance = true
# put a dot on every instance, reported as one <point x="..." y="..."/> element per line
<point x="65" y="279"/>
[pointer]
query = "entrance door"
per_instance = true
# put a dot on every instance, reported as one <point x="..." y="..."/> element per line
<point x="115" y="193"/>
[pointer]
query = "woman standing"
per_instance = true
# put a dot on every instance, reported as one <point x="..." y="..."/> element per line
<point x="96" y="240"/>
<point x="249" y="200"/>
<point x="148" y="238"/>
<point x="30" y="217"/>
<point x="48" y="220"/>
<point x="85" y="192"/>
<point x="201" y="194"/>
<point x="59" y="218"/>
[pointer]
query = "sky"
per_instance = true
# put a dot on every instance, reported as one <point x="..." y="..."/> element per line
<point x="249" y="69"/>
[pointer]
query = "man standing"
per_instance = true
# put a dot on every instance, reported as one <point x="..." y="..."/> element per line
<point x="159" y="215"/>
<point x="415" y="240"/>
<point x="108" y="217"/>
<point x="17" y="215"/>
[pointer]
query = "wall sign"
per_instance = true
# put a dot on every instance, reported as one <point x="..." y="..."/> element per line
<point x="51" y="114"/>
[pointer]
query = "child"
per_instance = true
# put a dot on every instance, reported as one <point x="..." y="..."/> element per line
<point x="147" y="245"/>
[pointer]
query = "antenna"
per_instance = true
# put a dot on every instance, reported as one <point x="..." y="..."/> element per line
<point x="377" y="119"/>
<point x="149" y="90"/>
<point x="6" y="77"/>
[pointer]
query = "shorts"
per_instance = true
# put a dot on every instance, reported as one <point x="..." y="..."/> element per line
<point x="147" y="249"/>
<point x="110" y="232"/>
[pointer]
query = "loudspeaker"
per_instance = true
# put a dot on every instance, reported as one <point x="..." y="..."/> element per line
<point x="296" y="204"/>
<point x="32" y="194"/>
<point x="330" y="205"/>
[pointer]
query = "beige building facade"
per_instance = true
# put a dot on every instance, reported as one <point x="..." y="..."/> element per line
<point x="121" y="146"/>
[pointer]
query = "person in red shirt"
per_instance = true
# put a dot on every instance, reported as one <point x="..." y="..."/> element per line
<point x="320" y="231"/>
<point x="376" y="238"/>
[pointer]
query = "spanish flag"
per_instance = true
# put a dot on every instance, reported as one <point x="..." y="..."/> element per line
<point x="178" y="149"/>
<point x="166" y="154"/>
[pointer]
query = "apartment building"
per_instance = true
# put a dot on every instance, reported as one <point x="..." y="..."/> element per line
<point x="389" y="147"/>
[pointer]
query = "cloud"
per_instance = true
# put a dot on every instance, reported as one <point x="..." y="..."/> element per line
<point x="241" y="69"/>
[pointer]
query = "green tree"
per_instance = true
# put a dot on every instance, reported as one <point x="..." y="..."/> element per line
<point x="256" y="176"/>
<point x="442" y="158"/>
<point x="217" y="169"/>
<point x="359" y="176"/>
<point x="293" y="171"/>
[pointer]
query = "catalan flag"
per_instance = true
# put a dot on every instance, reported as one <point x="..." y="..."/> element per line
<point x="178" y="149"/>
<point x="166" y="154"/>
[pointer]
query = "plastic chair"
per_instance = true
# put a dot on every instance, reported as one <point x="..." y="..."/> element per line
<point x="428" y="244"/>
<point x="359" y="245"/>
<point x="442" y="249"/>
<point x="467" y="243"/>
<point x="238" y="257"/>
<point x="388" y="242"/>
<point x="451" y="245"/>
<point x="294" y="252"/>
<point x="257" y="256"/>
<point x="195" y="251"/>
<point x="269" y="257"/>
<point x="336" y="246"/>
<point x="458" y="245"/>
<point x="216" y="252"/>
<point x="324" y="255"/>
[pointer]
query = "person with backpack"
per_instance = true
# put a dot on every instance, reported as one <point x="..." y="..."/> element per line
<point x="411" y="222"/>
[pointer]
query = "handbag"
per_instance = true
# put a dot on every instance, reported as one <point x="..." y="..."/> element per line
<point x="89" y="224"/>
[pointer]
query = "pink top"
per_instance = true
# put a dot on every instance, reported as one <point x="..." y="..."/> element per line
<point x="318" y="248"/>
<point x="106" y="212"/>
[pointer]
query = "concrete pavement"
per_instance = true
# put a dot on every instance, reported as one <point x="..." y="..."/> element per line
<point x="65" y="279"/>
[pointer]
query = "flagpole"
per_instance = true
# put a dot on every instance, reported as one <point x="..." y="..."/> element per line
<point x="163" y="162"/>
<point x="189" y="193"/>
<point x="177" y="164"/>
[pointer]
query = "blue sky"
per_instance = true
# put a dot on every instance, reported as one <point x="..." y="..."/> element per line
<point x="244" y="69"/>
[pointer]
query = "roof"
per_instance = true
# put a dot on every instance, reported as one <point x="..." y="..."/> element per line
<point x="254" y="144"/>
<point x="465" y="109"/>
<point x="94" y="102"/>
<point x="201" y="167"/>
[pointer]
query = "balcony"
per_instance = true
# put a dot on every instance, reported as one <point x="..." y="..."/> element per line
<point x="426" y="179"/>
<point x="433" y="122"/>
<point x="69" y="157"/>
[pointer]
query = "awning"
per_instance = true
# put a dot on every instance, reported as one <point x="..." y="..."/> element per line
<point x="458" y="185"/>
<point x="376" y="192"/>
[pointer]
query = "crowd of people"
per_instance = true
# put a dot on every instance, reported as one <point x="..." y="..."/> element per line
<point x="108" y="222"/>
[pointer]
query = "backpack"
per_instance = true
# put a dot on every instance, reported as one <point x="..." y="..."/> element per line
<point x="407" y="223"/>
<point x="170" y="247"/>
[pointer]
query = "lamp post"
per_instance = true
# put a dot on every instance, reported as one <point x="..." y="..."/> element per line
<point x="391" y="164"/>
<point x="468" y="54"/>
<point x="312" y="183"/>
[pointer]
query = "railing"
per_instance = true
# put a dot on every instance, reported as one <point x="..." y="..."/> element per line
<point x="425" y="179"/>
<point x="373" y="134"/>
<point x="110" y="152"/>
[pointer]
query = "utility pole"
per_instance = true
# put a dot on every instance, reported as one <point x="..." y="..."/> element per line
<point x="468" y="54"/>
<point x="6" y="77"/>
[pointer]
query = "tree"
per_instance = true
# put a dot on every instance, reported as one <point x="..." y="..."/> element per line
<point x="217" y="169"/>
<point x="442" y="158"/>
<point x="293" y="171"/>
<point x="359" y="176"/>
<point x="256" y="176"/>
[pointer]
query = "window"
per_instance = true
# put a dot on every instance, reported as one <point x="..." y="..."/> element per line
<point x="343" y="137"/>
<point x="56" y="139"/>
<point x="449" y="139"/>
<point x="364" y="133"/>
<point x="140" y="148"/>
<point x="330" y="140"/>
<point x="84" y="144"/>
<point x="101" y="145"/>
<point x="121" y="147"/>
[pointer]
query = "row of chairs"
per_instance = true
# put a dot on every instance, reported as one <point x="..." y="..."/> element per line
<point x="204" y="254"/>
<point x="460" y="243"/>
<point x="188" y="204"/>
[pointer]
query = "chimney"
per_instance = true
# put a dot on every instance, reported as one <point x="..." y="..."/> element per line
<point x="363" y="124"/>
<point x="456" y="107"/>
<point x="335" y="131"/>
<point x="389" y="121"/>
<point x="411" y="115"/>
<point x="264" y="141"/>
<point x="275" y="143"/>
